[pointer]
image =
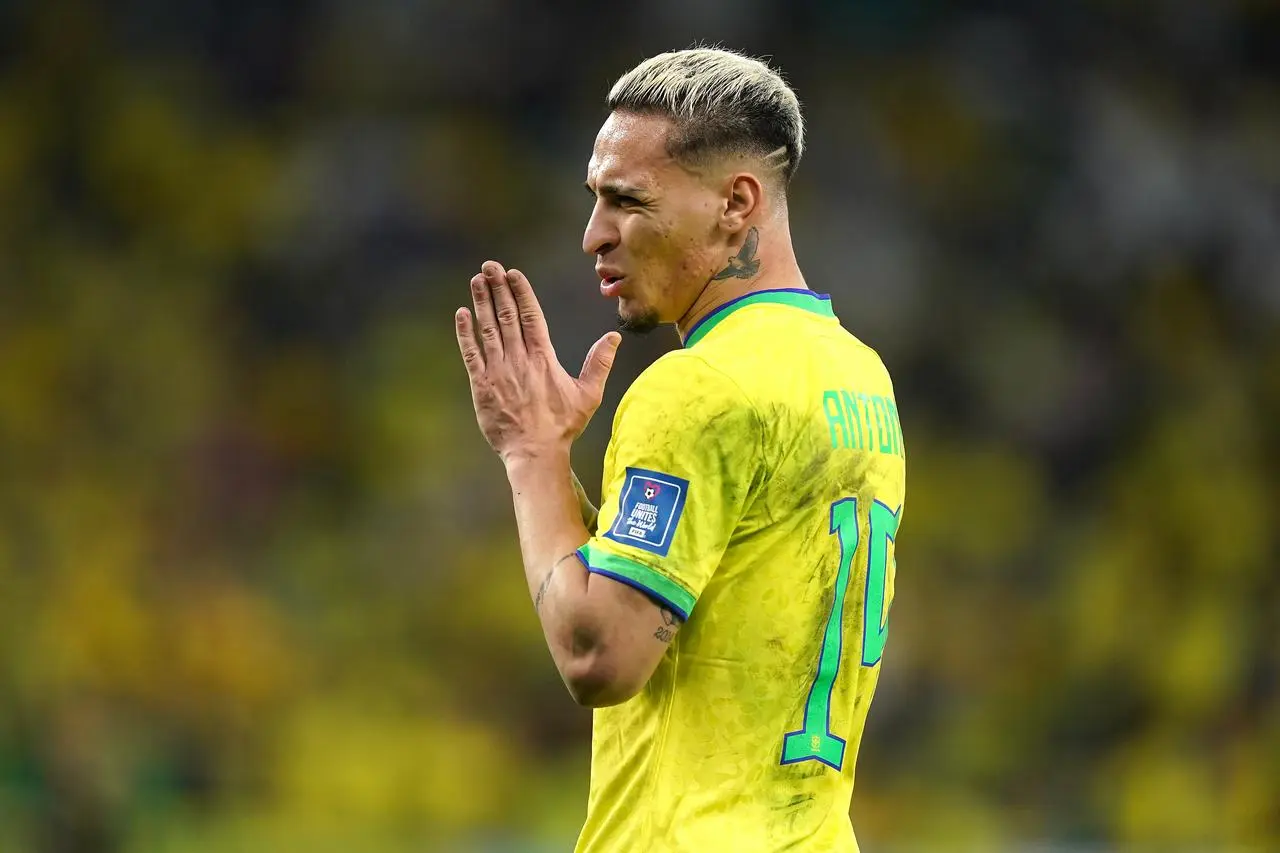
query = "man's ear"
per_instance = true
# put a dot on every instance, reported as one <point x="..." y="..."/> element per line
<point x="743" y="198"/>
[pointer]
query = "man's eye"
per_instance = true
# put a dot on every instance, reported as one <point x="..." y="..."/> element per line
<point x="627" y="201"/>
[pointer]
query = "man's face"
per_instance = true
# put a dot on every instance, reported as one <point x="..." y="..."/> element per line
<point x="653" y="230"/>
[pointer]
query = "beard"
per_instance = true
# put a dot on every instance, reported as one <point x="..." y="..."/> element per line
<point x="640" y="324"/>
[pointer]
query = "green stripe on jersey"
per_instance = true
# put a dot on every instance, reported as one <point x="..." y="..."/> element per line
<point x="658" y="584"/>
<point x="806" y="299"/>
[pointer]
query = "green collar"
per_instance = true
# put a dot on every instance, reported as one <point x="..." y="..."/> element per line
<point x="817" y="303"/>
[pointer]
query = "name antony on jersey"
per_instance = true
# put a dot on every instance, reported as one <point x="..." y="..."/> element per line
<point x="863" y="421"/>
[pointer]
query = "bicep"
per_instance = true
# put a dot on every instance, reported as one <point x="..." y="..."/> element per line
<point x="635" y="629"/>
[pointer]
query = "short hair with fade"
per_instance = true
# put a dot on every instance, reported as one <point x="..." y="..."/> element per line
<point x="721" y="102"/>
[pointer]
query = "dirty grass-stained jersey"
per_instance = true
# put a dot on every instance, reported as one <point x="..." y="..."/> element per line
<point x="753" y="486"/>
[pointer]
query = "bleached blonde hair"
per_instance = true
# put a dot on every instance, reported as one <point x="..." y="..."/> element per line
<point x="721" y="102"/>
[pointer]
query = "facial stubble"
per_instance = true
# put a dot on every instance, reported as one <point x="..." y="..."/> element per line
<point x="639" y="325"/>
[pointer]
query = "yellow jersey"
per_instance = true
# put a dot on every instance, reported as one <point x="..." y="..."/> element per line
<point x="754" y="485"/>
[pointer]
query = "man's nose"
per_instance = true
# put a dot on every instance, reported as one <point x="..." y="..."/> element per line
<point x="601" y="235"/>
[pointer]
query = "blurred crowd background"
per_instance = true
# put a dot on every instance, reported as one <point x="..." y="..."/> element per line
<point x="260" y="587"/>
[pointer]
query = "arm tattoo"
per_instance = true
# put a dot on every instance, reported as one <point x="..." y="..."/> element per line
<point x="745" y="264"/>
<point x="542" y="590"/>
<point x="667" y="630"/>
<point x="546" y="582"/>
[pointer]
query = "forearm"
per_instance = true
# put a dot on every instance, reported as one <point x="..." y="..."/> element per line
<point x="549" y="516"/>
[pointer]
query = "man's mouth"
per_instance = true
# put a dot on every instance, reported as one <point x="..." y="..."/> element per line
<point x="610" y="285"/>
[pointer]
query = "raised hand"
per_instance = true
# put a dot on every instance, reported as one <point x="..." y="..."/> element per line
<point x="526" y="404"/>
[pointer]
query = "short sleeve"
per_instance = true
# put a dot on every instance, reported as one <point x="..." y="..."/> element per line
<point x="683" y="461"/>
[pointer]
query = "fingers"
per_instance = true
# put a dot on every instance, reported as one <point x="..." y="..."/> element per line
<point x="471" y="356"/>
<point x="532" y="321"/>
<point x="490" y="337"/>
<point x="504" y="304"/>
<point x="595" y="370"/>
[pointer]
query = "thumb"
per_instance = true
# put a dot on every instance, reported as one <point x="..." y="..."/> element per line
<point x="595" y="370"/>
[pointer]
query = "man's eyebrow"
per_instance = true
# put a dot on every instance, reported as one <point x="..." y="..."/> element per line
<point x="610" y="189"/>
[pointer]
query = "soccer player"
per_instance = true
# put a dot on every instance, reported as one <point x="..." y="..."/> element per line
<point x="727" y="610"/>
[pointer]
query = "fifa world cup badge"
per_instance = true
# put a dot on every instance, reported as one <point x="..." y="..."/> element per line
<point x="649" y="510"/>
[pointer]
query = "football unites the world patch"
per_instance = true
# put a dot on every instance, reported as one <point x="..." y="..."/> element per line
<point x="649" y="510"/>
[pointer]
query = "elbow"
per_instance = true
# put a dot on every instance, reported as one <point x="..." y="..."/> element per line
<point x="594" y="681"/>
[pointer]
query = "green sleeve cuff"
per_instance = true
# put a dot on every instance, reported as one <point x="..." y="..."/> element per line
<point x="658" y="586"/>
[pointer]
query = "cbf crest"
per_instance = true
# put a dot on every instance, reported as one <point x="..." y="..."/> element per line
<point x="649" y="510"/>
